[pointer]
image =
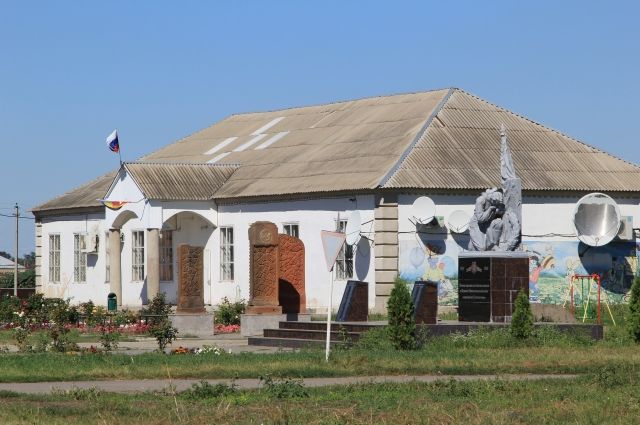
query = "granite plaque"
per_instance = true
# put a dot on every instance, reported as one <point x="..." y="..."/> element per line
<point x="425" y="301"/>
<point x="354" y="306"/>
<point x="474" y="289"/>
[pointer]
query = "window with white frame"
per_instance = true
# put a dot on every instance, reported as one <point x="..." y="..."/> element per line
<point x="107" y="259"/>
<point x="226" y="253"/>
<point x="291" y="229"/>
<point x="166" y="255"/>
<point x="79" y="258"/>
<point x="54" y="258"/>
<point x="344" y="262"/>
<point x="137" y="255"/>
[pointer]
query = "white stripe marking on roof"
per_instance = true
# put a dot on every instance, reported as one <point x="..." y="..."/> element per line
<point x="267" y="126"/>
<point x="272" y="140"/>
<point x="250" y="143"/>
<point x="220" y="145"/>
<point x="218" y="157"/>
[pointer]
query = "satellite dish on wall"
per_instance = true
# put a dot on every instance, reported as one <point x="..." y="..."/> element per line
<point x="458" y="221"/>
<point x="596" y="218"/>
<point x="352" y="231"/>
<point x="423" y="210"/>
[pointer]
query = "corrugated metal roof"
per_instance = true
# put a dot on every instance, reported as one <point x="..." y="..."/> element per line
<point x="461" y="150"/>
<point x="85" y="196"/>
<point x="369" y="143"/>
<point x="339" y="146"/>
<point x="179" y="182"/>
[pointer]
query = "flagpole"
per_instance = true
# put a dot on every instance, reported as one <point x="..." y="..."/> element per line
<point x="119" y="148"/>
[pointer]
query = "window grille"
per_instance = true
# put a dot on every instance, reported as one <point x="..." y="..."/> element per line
<point x="79" y="258"/>
<point x="54" y="258"/>
<point x="166" y="255"/>
<point x="137" y="255"/>
<point x="226" y="254"/>
<point x="344" y="262"/>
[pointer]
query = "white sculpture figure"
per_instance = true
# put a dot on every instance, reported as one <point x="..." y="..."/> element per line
<point x="496" y="221"/>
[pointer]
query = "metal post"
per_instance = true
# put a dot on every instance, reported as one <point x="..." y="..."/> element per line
<point x="597" y="279"/>
<point x="15" y="255"/>
<point x="328" y="343"/>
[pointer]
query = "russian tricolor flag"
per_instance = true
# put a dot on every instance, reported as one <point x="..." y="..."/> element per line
<point x="112" y="142"/>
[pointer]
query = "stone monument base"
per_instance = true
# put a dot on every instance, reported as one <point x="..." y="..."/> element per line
<point x="488" y="284"/>
<point x="255" y="324"/>
<point x="194" y="324"/>
<point x="264" y="309"/>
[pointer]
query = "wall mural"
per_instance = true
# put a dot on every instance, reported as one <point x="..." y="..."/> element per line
<point x="429" y="257"/>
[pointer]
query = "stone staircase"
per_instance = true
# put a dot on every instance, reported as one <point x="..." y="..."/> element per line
<point x="310" y="334"/>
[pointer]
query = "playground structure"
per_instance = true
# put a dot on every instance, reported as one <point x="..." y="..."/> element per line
<point x="594" y="285"/>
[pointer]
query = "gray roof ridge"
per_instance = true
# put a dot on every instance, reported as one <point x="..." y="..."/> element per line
<point x="547" y="128"/>
<point x="205" y="164"/>
<point x="336" y="102"/>
<point x="394" y="169"/>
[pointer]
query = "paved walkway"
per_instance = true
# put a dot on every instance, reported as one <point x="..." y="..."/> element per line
<point x="131" y="386"/>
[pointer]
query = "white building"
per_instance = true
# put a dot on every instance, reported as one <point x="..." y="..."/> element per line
<point x="303" y="168"/>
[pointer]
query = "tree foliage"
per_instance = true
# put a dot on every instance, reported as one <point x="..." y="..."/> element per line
<point x="522" y="319"/>
<point x="402" y="324"/>
<point x="633" y="315"/>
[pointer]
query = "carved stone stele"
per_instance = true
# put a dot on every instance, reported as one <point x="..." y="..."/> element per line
<point x="264" y="264"/>
<point x="190" y="279"/>
<point x="292" y="289"/>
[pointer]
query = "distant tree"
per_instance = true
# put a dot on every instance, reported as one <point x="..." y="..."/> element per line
<point x="6" y="255"/>
<point x="28" y="260"/>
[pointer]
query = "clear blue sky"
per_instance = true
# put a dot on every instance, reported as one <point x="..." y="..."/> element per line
<point x="71" y="72"/>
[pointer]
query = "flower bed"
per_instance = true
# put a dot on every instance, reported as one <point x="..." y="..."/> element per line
<point x="226" y="329"/>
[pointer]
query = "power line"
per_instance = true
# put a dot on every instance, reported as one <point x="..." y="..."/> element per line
<point x="14" y="216"/>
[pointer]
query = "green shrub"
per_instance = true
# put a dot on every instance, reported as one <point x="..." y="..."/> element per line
<point x="375" y="339"/>
<point x="522" y="319"/>
<point x="228" y="313"/>
<point x="284" y="388"/>
<point x="109" y="338"/>
<point x="633" y="315"/>
<point x="203" y="390"/>
<point x="164" y="334"/>
<point x="402" y="324"/>
<point x="157" y="311"/>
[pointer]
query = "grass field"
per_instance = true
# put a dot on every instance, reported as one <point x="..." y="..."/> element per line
<point x="480" y="353"/>
<point x="611" y="396"/>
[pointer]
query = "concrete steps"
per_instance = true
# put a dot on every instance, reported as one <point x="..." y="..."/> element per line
<point x="309" y="334"/>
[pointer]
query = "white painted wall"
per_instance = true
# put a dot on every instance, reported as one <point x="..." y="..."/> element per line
<point x="95" y="287"/>
<point x="544" y="217"/>
<point x="312" y="216"/>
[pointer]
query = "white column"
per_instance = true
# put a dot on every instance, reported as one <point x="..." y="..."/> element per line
<point x="153" y="263"/>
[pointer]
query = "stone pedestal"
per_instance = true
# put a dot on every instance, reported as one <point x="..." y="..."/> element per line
<point x="354" y="306"/>
<point x="190" y="279"/>
<point x="200" y="325"/>
<point x="255" y="324"/>
<point x="264" y="269"/>
<point x="425" y="300"/>
<point x="488" y="284"/>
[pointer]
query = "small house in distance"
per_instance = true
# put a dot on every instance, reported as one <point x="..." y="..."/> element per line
<point x="307" y="169"/>
<point x="8" y="266"/>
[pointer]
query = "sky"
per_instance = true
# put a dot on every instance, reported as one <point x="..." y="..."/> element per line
<point x="71" y="72"/>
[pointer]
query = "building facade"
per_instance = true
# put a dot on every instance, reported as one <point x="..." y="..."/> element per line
<point x="308" y="169"/>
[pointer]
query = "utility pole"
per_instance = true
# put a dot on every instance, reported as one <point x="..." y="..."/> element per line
<point x="15" y="255"/>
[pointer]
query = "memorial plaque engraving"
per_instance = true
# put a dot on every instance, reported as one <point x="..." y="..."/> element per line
<point x="474" y="289"/>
